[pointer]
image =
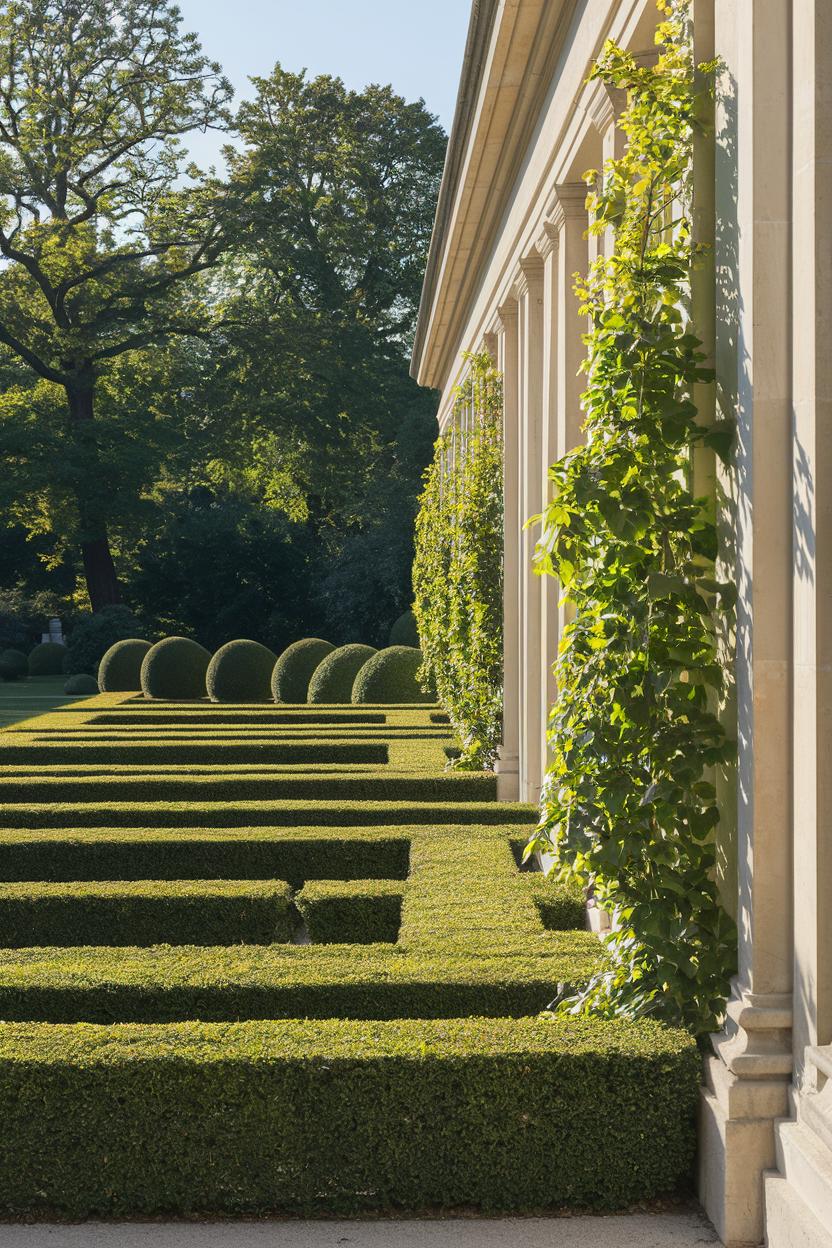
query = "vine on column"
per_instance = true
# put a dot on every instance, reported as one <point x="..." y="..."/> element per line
<point x="628" y="807"/>
<point x="458" y="569"/>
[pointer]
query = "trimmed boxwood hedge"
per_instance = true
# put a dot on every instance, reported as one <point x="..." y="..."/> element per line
<point x="81" y="683"/>
<point x="146" y="912"/>
<point x="240" y="671"/>
<point x="120" y="669"/>
<point x="333" y="679"/>
<point x="391" y="676"/>
<point x="47" y="659"/>
<point x="167" y="983"/>
<point x="206" y="853"/>
<point x="13" y="664"/>
<point x="202" y="750"/>
<point x="182" y="786"/>
<point x="296" y="667"/>
<point x="275" y="814"/>
<point x="405" y="632"/>
<point x="497" y="1114"/>
<point x="357" y="912"/>
<point x="175" y="669"/>
<point x="561" y="906"/>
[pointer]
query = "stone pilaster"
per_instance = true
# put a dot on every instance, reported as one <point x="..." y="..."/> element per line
<point x="748" y="1076"/>
<point x="799" y="1199"/>
<point x="507" y="767"/>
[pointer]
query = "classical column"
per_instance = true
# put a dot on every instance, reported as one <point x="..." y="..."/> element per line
<point x="508" y="762"/>
<point x="547" y="246"/>
<point x="529" y="288"/>
<point x="569" y="218"/>
<point x="604" y="111"/>
<point x="799" y="1200"/>
<point x="748" y="1076"/>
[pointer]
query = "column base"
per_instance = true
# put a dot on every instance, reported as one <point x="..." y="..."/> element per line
<point x="747" y="1090"/>
<point x="507" y="770"/>
<point x="798" y="1198"/>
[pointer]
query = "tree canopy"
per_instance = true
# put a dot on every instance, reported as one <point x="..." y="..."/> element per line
<point x="175" y="344"/>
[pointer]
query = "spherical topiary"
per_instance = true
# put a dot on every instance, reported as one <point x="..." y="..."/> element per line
<point x="333" y="679"/>
<point x="15" y="662"/>
<point x="47" y="659"/>
<point x="81" y="683"/>
<point x="295" y="668"/>
<point x="390" y="676"/>
<point x="8" y="671"/>
<point x="404" y="632"/>
<point x="121" y="666"/>
<point x="94" y="635"/>
<point x="240" y="671"/>
<point x="174" y="669"/>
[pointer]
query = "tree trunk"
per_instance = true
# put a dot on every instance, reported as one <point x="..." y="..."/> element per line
<point x="99" y="569"/>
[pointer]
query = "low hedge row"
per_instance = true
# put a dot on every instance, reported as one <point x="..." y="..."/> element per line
<point x="164" y="983"/>
<point x="561" y="906"/>
<point x="359" y="912"/>
<point x="168" y="788"/>
<point x="166" y="753"/>
<point x="147" y="912"/>
<point x="208" y="854"/>
<point x="214" y="715"/>
<point x="340" y="1117"/>
<point x="257" y="814"/>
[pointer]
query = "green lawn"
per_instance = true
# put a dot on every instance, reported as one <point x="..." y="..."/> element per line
<point x="20" y="699"/>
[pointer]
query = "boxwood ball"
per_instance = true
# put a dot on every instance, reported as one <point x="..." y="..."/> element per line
<point x="121" y="666"/>
<point x="296" y="667"/>
<point x="391" y="676"/>
<point x="240" y="671"/>
<point x="174" y="670"/>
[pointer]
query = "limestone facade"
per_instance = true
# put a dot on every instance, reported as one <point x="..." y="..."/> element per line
<point x="510" y="234"/>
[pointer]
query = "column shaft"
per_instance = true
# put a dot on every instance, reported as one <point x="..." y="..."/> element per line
<point x="507" y="765"/>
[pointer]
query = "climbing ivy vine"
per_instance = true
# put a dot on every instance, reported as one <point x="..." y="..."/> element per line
<point x="628" y="806"/>
<point x="458" y="569"/>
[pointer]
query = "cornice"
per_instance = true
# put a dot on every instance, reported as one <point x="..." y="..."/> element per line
<point x="501" y="95"/>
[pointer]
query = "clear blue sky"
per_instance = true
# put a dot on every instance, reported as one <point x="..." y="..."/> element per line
<point x="416" y="45"/>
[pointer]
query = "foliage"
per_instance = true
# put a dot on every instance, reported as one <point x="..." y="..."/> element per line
<point x="81" y="683"/>
<point x="94" y="635"/>
<point x="174" y="668"/>
<point x="47" y="659"/>
<point x="101" y="231"/>
<point x="392" y="675"/>
<point x="404" y="631"/>
<point x="334" y="677"/>
<point x="628" y="803"/>
<point x="240" y="671"/>
<point x="295" y="668"/>
<point x="458" y="569"/>
<point x="120" y="668"/>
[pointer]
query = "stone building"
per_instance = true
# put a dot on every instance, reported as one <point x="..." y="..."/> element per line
<point x="510" y="233"/>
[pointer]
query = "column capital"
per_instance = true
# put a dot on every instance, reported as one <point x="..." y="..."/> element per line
<point x="507" y="313"/>
<point x="530" y="274"/>
<point x="548" y="239"/>
<point x="568" y="204"/>
<point x="605" y="106"/>
<point x="489" y="343"/>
